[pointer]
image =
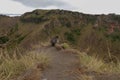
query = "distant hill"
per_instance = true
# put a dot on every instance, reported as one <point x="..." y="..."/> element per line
<point x="93" y="33"/>
<point x="11" y="15"/>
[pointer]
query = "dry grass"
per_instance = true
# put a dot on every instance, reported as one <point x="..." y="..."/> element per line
<point x="94" y="64"/>
<point x="11" y="67"/>
<point x="85" y="77"/>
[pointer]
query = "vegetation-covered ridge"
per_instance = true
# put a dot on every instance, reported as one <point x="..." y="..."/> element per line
<point x="95" y="33"/>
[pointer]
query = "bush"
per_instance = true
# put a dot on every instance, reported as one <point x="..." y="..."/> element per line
<point x="20" y="39"/>
<point x="114" y="36"/>
<point x="65" y="46"/>
<point x="65" y="21"/>
<point x="14" y="29"/>
<point x="76" y="31"/>
<point x="70" y="37"/>
<point x="3" y="39"/>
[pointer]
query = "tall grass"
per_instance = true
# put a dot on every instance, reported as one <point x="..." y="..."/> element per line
<point x="12" y="66"/>
<point x="98" y="65"/>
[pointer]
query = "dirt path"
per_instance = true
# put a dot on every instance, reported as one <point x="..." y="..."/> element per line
<point x="62" y="65"/>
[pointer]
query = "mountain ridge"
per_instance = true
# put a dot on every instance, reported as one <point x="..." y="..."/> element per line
<point x="82" y="31"/>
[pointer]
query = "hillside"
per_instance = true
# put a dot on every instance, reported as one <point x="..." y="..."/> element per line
<point x="99" y="34"/>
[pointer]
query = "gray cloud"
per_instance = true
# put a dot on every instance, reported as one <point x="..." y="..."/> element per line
<point x="43" y="3"/>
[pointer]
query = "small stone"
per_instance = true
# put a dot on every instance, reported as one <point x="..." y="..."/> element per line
<point x="45" y="79"/>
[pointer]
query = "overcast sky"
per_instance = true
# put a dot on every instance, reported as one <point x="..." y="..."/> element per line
<point x="85" y="6"/>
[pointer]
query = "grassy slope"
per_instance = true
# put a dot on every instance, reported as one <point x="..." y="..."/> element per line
<point x="12" y="66"/>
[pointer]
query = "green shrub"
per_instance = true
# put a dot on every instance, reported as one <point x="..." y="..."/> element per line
<point x="65" y="21"/>
<point x="103" y="28"/>
<point x="14" y="29"/>
<point x="114" y="36"/>
<point x="20" y="39"/>
<point x="65" y="46"/>
<point x="76" y="31"/>
<point x="3" y="39"/>
<point x="70" y="37"/>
